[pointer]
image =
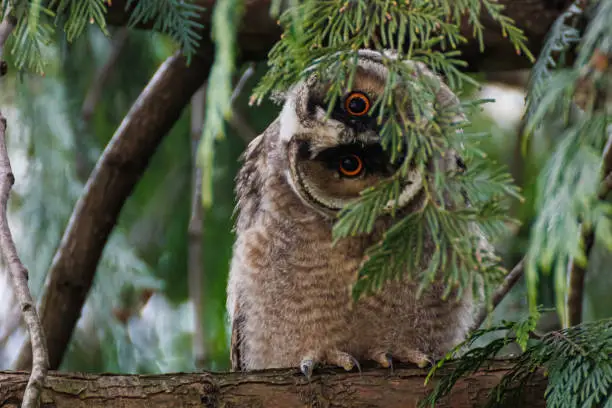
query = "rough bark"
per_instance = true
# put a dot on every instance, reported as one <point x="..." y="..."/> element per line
<point x="95" y="214"/>
<point x="258" y="31"/>
<point x="268" y="389"/>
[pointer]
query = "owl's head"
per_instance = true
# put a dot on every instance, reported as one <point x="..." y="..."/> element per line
<point x="334" y="158"/>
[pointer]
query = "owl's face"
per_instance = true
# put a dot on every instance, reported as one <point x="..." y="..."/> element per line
<point x="333" y="159"/>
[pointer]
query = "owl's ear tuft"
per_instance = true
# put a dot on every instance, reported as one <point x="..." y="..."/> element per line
<point x="279" y="97"/>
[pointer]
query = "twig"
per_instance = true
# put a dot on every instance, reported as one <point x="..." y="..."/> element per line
<point x="82" y="161"/>
<point x="99" y="82"/>
<point x="19" y="277"/>
<point x="577" y="273"/>
<point x="120" y="167"/>
<point x="501" y="292"/>
<point x="244" y="78"/>
<point x="237" y="119"/>
<point x="6" y="28"/>
<point x="241" y="126"/>
<point x="11" y="323"/>
<point x="194" y="231"/>
<point x="19" y="274"/>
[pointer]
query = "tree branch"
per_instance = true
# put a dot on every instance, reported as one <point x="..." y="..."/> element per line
<point x="577" y="273"/>
<point x="97" y="86"/>
<point x="118" y="170"/>
<point x="18" y="273"/>
<point x="270" y="389"/>
<point x="509" y="281"/>
<point x="258" y="31"/>
<point x="195" y="230"/>
<point x="19" y="278"/>
<point x="237" y="119"/>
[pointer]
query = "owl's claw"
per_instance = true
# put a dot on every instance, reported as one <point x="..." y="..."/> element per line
<point x="333" y="358"/>
<point x="385" y="359"/>
<point x="307" y="366"/>
<point x="342" y="359"/>
<point x="422" y="360"/>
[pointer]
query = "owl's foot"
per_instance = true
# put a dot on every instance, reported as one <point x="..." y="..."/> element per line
<point x="419" y="358"/>
<point x="383" y="358"/>
<point x="333" y="358"/>
<point x="407" y="356"/>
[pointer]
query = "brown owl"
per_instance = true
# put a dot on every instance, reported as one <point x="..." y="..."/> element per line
<point x="289" y="290"/>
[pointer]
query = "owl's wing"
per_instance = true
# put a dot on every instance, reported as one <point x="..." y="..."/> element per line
<point x="235" y="342"/>
<point x="250" y="178"/>
<point x="249" y="186"/>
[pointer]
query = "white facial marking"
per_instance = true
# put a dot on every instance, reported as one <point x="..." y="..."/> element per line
<point x="289" y="122"/>
<point x="409" y="192"/>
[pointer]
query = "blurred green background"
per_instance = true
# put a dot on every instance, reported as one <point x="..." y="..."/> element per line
<point x="140" y="317"/>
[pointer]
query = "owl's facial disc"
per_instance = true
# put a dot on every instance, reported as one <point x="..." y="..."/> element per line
<point x="334" y="158"/>
<point x="335" y="176"/>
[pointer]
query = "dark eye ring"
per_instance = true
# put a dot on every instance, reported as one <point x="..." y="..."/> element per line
<point x="351" y="165"/>
<point x="357" y="104"/>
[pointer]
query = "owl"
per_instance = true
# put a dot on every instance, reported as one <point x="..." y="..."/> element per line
<point x="289" y="290"/>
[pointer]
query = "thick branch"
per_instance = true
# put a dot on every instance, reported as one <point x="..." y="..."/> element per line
<point x="269" y="389"/>
<point x="110" y="184"/>
<point x="258" y="31"/>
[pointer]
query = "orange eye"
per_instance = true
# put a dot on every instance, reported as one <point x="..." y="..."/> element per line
<point x="357" y="104"/>
<point x="351" y="165"/>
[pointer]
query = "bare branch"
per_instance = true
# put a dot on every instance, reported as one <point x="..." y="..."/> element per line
<point x="577" y="273"/>
<point x="97" y="85"/>
<point x="282" y="388"/>
<point x="18" y="273"/>
<point x="244" y="78"/>
<point x="241" y="126"/>
<point x="194" y="231"/>
<point x="509" y="281"/>
<point x="11" y="323"/>
<point x="237" y="119"/>
<point x="6" y="28"/>
<point x="19" y="278"/>
<point x="121" y="165"/>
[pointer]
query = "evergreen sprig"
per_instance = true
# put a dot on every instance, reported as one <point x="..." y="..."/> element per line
<point x="322" y="38"/>
<point x="80" y="14"/>
<point x="560" y="38"/>
<point x="219" y="96"/>
<point x="177" y="18"/>
<point x="576" y="362"/>
<point x="33" y="33"/>
<point x="37" y="21"/>
<point x="570" y="103"/>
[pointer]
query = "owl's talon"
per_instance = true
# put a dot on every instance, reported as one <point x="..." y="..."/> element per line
<point x="356" y="364"/>
<point x="342" y="359"/>
<point x="384" y="359"/>
<point x="307" y="366"/>
<point x="422" y="360"/>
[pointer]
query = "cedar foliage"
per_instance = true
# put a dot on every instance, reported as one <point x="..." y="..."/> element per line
<point x="571" y="97"/>
<point x="322" y="38"/>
